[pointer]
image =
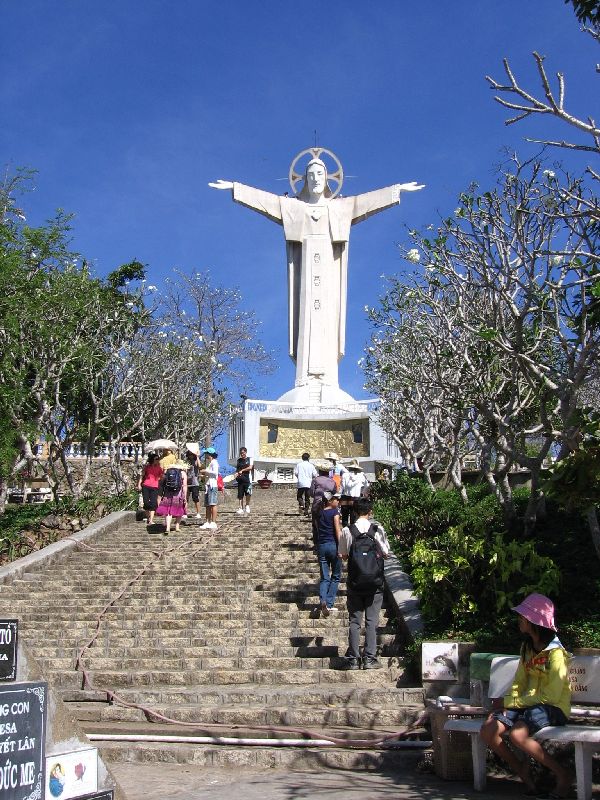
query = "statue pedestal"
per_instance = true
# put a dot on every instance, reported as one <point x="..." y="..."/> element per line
<point x="276" y="433"/>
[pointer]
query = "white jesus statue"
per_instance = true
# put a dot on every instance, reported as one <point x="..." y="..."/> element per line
<point x="316" y="226"/>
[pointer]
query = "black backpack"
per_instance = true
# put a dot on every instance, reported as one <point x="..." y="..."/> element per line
<point x="365" y="562"/>
<point x="173" y="482"/>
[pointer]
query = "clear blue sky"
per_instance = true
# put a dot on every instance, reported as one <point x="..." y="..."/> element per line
<point x="129" y="107"/>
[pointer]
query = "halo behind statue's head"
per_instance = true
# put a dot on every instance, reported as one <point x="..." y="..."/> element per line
<point x="337" y="176"/>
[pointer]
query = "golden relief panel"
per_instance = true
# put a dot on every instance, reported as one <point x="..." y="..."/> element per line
<point x="349" y="438"/>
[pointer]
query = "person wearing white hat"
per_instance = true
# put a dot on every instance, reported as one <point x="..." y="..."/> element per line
<point x="337" y="470"/>
<point x="211" y="493"/>
<point x="354" y="485"/>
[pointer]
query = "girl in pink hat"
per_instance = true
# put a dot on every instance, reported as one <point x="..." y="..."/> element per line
<point x="540" y="696"/>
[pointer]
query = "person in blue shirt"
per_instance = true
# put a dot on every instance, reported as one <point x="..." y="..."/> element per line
<point x="330" y="564"/>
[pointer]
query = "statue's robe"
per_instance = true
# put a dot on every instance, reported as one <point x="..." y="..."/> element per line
<point x="317" y="238"/>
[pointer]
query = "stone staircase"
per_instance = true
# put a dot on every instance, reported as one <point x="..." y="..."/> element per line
<point x="209" y="634"/>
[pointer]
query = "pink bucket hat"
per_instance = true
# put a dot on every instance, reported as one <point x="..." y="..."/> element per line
<point x="538" y="609"/>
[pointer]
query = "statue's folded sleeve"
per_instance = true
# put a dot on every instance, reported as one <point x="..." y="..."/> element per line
<point x="265" y="203"/>
<point x="369" y="203"/>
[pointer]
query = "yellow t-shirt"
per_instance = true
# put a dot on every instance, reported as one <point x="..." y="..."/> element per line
<point x="542" y="678"/>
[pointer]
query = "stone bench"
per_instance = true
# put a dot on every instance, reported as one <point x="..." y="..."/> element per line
<point x="584" y="675"/>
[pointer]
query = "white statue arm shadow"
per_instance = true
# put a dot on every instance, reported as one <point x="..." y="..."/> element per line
<point x="369" y="203"/>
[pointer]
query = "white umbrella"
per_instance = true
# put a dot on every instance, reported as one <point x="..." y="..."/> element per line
<point x="161" y="444"/>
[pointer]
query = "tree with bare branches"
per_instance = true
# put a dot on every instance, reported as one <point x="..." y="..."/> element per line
<point x="495" y="336"/>
<point x="527" y="103"/>
<point x="225" y="334"/>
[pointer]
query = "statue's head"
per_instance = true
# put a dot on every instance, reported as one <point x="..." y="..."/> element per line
<point x="315" y="180"/>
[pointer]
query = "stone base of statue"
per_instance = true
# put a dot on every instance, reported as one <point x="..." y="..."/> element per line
<point x="276" y="433"/>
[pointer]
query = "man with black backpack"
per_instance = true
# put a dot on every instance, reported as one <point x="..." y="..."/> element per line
<point x="364" y="545"/>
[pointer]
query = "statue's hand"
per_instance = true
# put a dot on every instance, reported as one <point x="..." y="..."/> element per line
<point x="413" y="186"/>
<point x="222" y="184"/>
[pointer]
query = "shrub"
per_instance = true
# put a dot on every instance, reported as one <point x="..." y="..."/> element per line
<point x="462" y="576"/>
<point x="21" y="531"/>
<point x="468" y="569"/>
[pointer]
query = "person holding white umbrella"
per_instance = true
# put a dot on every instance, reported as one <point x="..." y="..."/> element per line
<point x="168" y="449"/>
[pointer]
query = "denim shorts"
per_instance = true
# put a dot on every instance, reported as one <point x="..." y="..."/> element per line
<point x="210" y="496"/>
<point x="535" y="717"/>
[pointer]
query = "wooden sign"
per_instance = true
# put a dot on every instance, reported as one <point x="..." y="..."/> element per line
<point x="22" y="740"/>
<point x="8" y="649"/>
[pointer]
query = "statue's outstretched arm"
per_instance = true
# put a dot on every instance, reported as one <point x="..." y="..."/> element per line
<point x="413" y="186"/>
<point x="265" y="203"/>
<point x="369" y="203"/>
<point x="220" y="184"/>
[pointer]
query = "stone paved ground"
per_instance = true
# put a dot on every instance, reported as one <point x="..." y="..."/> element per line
<point x="174" y="782"/>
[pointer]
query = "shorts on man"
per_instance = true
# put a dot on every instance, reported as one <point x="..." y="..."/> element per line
<point x="244" y="490"/>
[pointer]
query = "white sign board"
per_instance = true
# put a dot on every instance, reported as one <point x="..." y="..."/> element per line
<point x="72" y="774"/>
<point x="439" y="661"/>
<point x="584" y="677"/>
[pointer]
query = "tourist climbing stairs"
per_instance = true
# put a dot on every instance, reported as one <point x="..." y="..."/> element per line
<point x="206" y="646"/>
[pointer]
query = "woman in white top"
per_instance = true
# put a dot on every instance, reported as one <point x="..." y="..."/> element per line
<point x="354" y="484"/>
<point x="211" y="474"/>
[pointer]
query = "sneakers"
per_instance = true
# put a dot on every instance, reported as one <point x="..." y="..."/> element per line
<point x="198" y="516"/>
<point x="212" y="526"/>
<point x="184" y="516"/>
<point x="333" y="611"/>
<point x="206" y="525"/>
<point x="240" y="511"/>
<point x="372" y="663"/>
<point x="247" y="509"/>
<point x="351" y="663"/>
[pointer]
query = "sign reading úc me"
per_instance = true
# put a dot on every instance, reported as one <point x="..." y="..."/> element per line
<point x="22" y="740"/>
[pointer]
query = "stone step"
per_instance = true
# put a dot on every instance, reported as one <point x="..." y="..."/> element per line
<point x="341" y="695"/>
<point x="164" y="663"/>
<point x="211" y="634"/>
<point x="134" y="653"/>
<point x="299" y="626"/>
<point x="237" y="757"/>
<point x="251" y="715"/>
<point x="117" y="679"/>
